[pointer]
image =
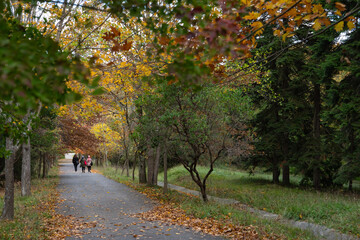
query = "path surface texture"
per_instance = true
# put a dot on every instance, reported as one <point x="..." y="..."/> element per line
<point x="109" y="206"/>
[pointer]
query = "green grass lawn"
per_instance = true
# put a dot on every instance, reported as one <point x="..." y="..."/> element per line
<point x="338" y="210"/>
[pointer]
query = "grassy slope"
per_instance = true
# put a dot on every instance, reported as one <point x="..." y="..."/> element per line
<point x="196" y="207"/>
<point x="333" y="209"/>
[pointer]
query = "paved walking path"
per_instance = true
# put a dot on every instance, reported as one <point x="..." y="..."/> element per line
<point x="318" y="230"/>
<point x="94" y="198"/>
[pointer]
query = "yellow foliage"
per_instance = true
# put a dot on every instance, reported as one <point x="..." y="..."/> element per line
<point x="339" y="26"/>
<point x="109" y="138"/>
<point x="350" y="25"/>
<point x="317" y="8"/>
<point x="277" y="32"/>
<point x="257" y="27"/>
<point x="252" y="16"/>
<point x="317" y="24"/>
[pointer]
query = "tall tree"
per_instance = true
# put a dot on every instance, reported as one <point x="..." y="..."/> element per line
<point x="190" y="123"/>
<point x="280" y="96"/>
<point x="343" y="101"/>
<point x="26" y="83"/>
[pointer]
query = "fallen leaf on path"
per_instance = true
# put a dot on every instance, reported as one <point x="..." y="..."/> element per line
<point x="175" y="216"/>
<point x="59" y="226"/>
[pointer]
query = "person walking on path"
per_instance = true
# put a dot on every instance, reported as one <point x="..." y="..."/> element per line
<point x="89" y="163"/>
<point x="82" y="163"/>
<point x="109" y="208"/>
<point x="75" y="161"/>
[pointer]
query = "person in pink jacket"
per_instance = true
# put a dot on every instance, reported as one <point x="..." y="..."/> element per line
<point x="89" y="163"/>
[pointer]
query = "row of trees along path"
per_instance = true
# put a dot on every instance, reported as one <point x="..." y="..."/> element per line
<point x="155" y="62"/>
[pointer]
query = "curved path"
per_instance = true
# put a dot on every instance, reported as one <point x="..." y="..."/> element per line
<point x="108" y="205"/>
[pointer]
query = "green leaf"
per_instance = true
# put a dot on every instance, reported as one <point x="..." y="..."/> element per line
<point x="98" y="91"/>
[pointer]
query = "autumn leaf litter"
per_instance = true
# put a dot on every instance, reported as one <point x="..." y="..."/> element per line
<point x="170" y="214"/>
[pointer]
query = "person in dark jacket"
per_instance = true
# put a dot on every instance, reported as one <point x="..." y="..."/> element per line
<point x="75" y="161"/>
<point x="82" y="163"/>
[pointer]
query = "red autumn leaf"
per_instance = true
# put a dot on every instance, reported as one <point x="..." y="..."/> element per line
<point x="164" y="40"/>
<point x="126" y="46"/>
<point x="116" y="47"/>
<point x="180" y="39"/>
<point x="108" y="36"/>
<point x="115" y="32"/>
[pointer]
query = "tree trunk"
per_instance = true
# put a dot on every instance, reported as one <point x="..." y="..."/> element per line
<point x="150" y="165"/>
<point x="316" y="129"/>
<point x="127" y="160"/>
<point x="316" y="177"/>
<point x="26" y="157"/>
<point x="40" y="161"/>
<point x="350" y="185"/>
<point x="165" y="189"/>
<point x="126" y="163"/>
<point x="48" y="164"/>
<point x="8" y="210"/>
<point x="284" y="76"/>
<point x="142" y="162"/>
<point x="286" y="174"/>
<point x="116" y="167"/>
<point x="285" y="165"/>
<point x="127" y="166"/>
<point x="39" y="166"/>
<point x="106" y="153"/>
<point x="134" y="166"/>
<point x="197" y="179"/>
<point x="142" y="169"/>
<point x="156" y="165"/>
<point x="44" y="166"/>
<point x="203" y="192"/>
<point x="26" y="169"/>
<point x="53" y="160"/>
<point x="276" y="174"/>
<point x="352" y="150"/>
